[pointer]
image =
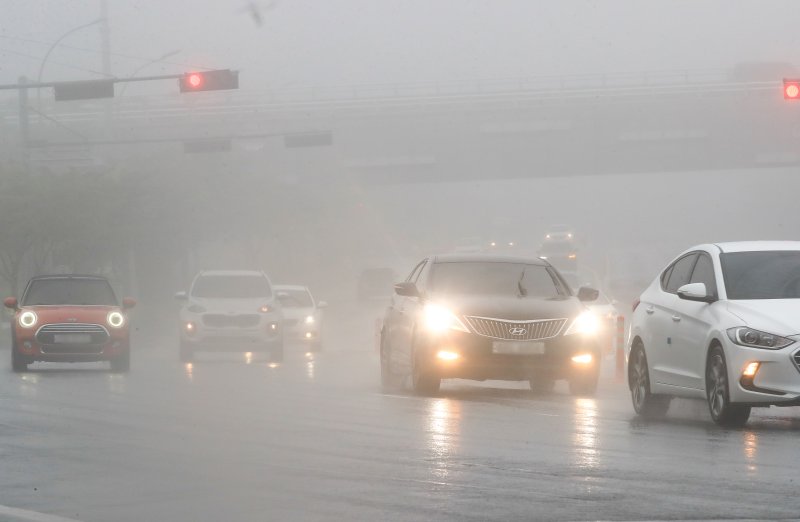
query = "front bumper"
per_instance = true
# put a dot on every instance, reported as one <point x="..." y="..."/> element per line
<point x="477" y="361"/>
<point x="267" y="334"/>
<point x="31" y="349"/>
<point x="776" y="382"/>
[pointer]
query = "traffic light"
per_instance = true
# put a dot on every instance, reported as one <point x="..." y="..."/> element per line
<point x="209" y="81"/>
<point x="791" y="89"/>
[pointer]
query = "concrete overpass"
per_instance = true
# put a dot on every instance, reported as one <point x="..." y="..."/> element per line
<point x="401" y="133"/>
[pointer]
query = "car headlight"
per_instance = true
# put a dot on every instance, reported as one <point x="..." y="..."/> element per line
<point x="196" y="309"/>
<point x="115" y="320"/>
<point x="28" y="319"/>
<point x="437" y="318"/>
<point x="744" y="336"/>
<point x="265" y="309"/>
<point x="310" y="319"/>
<point x="585" y="324"/>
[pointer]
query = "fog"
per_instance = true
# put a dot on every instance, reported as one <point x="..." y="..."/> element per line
<point x="370" y="135"/>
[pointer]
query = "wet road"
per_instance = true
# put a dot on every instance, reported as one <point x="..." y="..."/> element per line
<point x="232" y="438"/>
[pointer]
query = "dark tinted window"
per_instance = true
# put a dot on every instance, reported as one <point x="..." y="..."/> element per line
<point x="73" y="291"/>
<point x="681" y="271"/>
<point x="761" y="275"/>
<point x="231" y="287"/>
<point x="486" y="278"/>
<point x="704" y="273"/>
<point x="295" y="298"/>
<point x="665" y="277"/>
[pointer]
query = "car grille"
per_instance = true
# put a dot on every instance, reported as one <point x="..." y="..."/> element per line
<point x="231" y="321"/>
<point x="515" y="330"/>
<point x="49" y="333"/>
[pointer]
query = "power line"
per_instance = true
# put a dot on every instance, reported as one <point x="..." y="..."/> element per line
<point x="39" y="58"/>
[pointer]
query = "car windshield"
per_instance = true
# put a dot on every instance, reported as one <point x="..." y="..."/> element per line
<point x="295" y="298"/>
<point x="231" y="287"/>
<point x="494" y="278"/>
<point x="69" y="291"/>
<point x="761" y="275"/>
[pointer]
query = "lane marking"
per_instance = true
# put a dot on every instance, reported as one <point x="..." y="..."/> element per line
<point x="32" y="516"/>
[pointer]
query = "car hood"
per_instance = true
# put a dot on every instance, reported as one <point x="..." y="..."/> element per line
<point x="72" y="314"/>
<point x="231" y="306"/>
<point x="512" y="308"/>
<point x="778" y="316"/>
<point x="297" y="313"/>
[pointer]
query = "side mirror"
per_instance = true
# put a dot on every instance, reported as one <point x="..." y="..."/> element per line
<point x="406" y="289"/>
<point x="10" y="302"/>
<point x="696" y="292"/>
<point x="128" y="303"/>
<point x="322" y="304"/>
<point x="181" y="296"/>
<point x="586" y="294"/>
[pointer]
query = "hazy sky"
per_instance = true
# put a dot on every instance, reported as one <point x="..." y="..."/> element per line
<point x="305" y="42"/>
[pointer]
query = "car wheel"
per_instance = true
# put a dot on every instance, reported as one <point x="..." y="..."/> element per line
<point x="644" y="402"/>
<point x="122" y="363"/>
<point x="390" y="381"/>
<point x="723" y="412"/>
<point x="186" y="352"/>
<point x="423" y="379"/>
<point x="18" y="362"/>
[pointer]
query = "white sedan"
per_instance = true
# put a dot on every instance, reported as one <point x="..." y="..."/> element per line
<point x="720" y="323"/>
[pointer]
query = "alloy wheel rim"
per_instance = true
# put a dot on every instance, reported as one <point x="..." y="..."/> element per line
<point x="717" y="386"/>
<point x="640" y="380"/>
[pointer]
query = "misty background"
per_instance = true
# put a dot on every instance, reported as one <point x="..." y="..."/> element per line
<point x="648" y="127"/>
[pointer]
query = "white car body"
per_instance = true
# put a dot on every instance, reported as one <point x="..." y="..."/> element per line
<point x="253" y="323"/>
<point x="677" y="335"/>
<point x="302" y="318"/>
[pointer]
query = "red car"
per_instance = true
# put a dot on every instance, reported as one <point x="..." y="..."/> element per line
<point x="69" y="318"/>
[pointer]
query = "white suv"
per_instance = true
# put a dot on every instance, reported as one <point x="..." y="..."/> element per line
<point x="230" y="310"/>
<point x="721" y="322"/>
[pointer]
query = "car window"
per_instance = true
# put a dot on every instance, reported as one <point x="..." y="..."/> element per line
<point x="490" y="278"/>
<point x="69" y="291"/>
<point x="291" y="298"/>
<point x="681" y="272"/>
<point x="761" y="274"/>
<point x="665" y="277"/>
<point x="231" y="287"/>
<point x="704" y="273"/>
<point x="412" y="277"/>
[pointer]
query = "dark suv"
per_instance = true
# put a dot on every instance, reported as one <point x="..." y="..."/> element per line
<point x="478" y="316"/>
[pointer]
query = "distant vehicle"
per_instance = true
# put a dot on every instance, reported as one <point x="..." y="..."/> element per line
<point x="70" y="318"/>
<point x="560" y="233"/>
<point x="481" y="316"/>
<point x="561" y="254"/>
<point x="302" y="315"/>
<point x="230" y="310"/>
<point x="720" y="323"/>
<point x="375" y="284"/>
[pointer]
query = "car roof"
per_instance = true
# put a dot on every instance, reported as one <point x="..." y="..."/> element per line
<point x="488" y="258"/>
<point x="231" y="273"/>
<point x="69" y="276"/>
<point x="290" y="287"/>
<point x="750" y="246"/>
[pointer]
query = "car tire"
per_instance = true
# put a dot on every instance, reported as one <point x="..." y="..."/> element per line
<point x="644" y="402"/>
<point x="122" y="363"/>
<point x="722" y="411"/>
<point x="186" y="352"/>
<point x="424" y="381"/>
<point x="18" y="363"/>
<point x="390" y="381"/>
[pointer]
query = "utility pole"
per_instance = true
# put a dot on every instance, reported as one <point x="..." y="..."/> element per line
<point x="105" y="34"/>
<point x="23" y="112"/>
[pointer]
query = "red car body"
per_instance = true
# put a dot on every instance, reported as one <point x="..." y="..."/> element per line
<point x="70" y="332"/>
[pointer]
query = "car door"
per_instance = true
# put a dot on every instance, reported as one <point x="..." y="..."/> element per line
<point x="692" y="328"/>
<point x="400" y="324"/>
<point x="663" y="321"/>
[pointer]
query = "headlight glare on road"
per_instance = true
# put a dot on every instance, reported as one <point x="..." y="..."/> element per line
<point x="28" y="319"/>
<point x="744" y="336"/>
<point x="585" y="324"/>
<point x="115" y="320"/>
<point x="439" y="319"/>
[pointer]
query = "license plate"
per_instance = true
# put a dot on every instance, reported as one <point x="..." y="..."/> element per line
<point x="518" y="347"/>
<point x="72" y="339"/>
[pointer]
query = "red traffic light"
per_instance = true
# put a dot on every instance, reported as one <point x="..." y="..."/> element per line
<point x="791" y="89"/>
<point x="209" y="81"/>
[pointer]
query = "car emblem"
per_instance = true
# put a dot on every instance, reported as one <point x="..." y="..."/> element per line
<point x="517" y="331"/>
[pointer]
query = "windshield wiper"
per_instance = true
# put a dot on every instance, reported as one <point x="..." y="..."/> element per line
<point x="522" y="290"/>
